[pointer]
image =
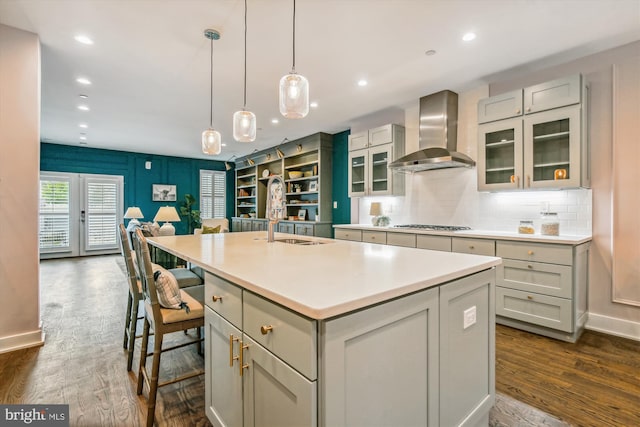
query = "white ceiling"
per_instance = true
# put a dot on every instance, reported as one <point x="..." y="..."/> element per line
<point x="150" y="61"/>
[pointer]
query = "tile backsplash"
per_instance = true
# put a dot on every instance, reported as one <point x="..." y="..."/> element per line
<point x="450" y="197"/>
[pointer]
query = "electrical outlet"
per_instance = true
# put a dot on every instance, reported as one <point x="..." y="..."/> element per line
<point x="469" y="317"/>
<point x="335" y="205"/>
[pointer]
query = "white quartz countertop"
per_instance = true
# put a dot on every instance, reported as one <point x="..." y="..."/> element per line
<point x="325" y="280"/>
<point x="483" y="234"/>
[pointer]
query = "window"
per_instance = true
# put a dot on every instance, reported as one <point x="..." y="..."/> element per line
<point x="212" y="194"/>
<point x="54" y="214"/>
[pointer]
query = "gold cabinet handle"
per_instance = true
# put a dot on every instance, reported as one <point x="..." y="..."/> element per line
<point x="216" y="298"/>
<point x="265" y="329"/>
<point x="231" y="356"/>
<point x="243" y="347"/>
<point x="529" y="252"/>
<point x="529" y="297"/>
<point x="518" y="111"/>
<point x="528" y="109"/>
<point x="471" y="247"/>
<point x="529" y="266"/>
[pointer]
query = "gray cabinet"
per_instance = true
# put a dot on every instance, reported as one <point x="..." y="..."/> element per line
<point x="542" y="288"/>
<point x="547" y="147"/>
<point x="407" y="240"/>
<point x="500" y="107"/>
<point x="466" y="245"/>
<point x="348" y="234"/>
<point x="368" y="172"/>
<point x="435" y="243"/>
<point x="287" y="227"/>
<point x="374" y="237"/>
<point x="236" y="224"/>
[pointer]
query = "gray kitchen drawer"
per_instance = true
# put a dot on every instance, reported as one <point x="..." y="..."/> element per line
<point x="292" y="337"/>
<point x="547" y="279"/>
<point x="473" y="246"/>
<point x="348" y="234"/>
<point x="374" y="237"/>
<point x="401" y="239"/>
<point x="228" y="298"/>
<point x="539" y="252"/>
<point x="542" y="310"/>
<point x="436" y="243"/>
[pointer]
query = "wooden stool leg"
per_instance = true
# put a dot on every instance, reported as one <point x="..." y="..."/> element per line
<point x="143" y="355"/>
<point x="153" y="383"/>
<point x="133" y="326"/>
<point x="127" y="321"/>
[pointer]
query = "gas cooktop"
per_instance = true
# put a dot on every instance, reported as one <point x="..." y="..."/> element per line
<point x="434" y="227"/>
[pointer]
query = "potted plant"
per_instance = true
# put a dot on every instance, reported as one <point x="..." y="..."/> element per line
<point x="192" y="215"/>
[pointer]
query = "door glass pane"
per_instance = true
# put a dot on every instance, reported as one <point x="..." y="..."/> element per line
<point x="357" y="174"/>
<point x="54" y="215"/>
<point x="379" y="174"/>
<point x="500" y="156"/>
<point x="101" y="214"/>
<point x="551" y="157"/>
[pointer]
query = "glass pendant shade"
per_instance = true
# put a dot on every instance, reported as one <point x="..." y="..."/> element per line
<point x="211" y="142"/>
<point x="244" y="126"/>
<point x="294" y="96"/>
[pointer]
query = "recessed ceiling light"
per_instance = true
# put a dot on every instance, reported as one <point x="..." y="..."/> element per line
<point x="83" y="125"/>
<point x="275" y="121"/>
<point x="362" y="82"/>
<point x="430" y="52"/>
<point x="469" y="36"/>
<point x="83" y="96"/>
<point x="83" y="39"/>
<point x="83" y="81"/>
<point x="83" y="138"/>
<point x="83" y="107"/>
<point x="313" y="104"/>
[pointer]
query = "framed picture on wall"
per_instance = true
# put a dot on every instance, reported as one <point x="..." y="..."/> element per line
<point x="164" y="193"/>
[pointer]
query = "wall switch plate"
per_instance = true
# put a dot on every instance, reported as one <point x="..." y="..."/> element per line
<point x="469" y="317"/>
<point x="335" y="205"/>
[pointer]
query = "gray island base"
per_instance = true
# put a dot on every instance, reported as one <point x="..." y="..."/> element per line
<point x="370" y="336"/>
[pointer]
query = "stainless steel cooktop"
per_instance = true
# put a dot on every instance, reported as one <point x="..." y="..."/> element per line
<point x="434" y="227"/>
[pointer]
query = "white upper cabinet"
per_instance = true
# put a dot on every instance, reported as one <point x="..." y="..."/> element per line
<point x="554" y="94"/>
<point x="500" y="107"/>
<point x="358" y="140"/>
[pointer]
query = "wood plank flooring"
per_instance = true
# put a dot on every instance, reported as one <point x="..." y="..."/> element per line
<point x="83" y="300"/>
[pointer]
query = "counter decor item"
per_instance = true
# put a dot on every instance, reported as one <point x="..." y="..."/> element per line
<point x="375" y="211"/>
<point x="550" y="226"/>
<point x="295" y="174"/>
<point x="381" y="221"/>
<point x="526" y="227"/>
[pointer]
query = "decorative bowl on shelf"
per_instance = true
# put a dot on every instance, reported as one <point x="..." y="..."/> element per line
<point x="295" y="174"/>
<point x="308" y="174"/>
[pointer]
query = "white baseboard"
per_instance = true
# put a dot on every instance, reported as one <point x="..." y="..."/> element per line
<point x="20" y="341"/>
<point x="613" y="326"/>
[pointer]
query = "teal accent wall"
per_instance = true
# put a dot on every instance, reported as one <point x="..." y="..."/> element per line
<point x="182" y="172"/>
<point x="342" y="214"/>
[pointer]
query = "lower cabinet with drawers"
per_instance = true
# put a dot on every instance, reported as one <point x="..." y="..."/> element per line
<point x="542" y="288"/>
<point x="403" y="362"/>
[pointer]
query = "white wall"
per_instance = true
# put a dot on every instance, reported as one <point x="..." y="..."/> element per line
<point x="450" y="196"/>
<point x="19" y="169"/>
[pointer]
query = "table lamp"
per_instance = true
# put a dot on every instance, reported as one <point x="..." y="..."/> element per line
<point x="168" y="214"/>
<point x="375" y="211"/>
<point x="133" y="213"/>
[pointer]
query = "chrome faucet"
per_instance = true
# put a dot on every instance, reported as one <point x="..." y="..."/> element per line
<point x="275" y="203"/>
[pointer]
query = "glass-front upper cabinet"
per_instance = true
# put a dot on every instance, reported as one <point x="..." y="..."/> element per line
<point x="379" y="158"/>
<point x="552" y="148"/>
<point x="500" y="155"/>
<point x="358" y="172"/>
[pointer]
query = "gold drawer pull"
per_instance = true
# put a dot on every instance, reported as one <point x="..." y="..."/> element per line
<point x="242" y="365"/>
<point x="265" y="329"/>
<point x="529" y="297"/>
<point x="231" y="356"/>
<point x="529" y="266"/>
<point x="530" y="253"/>
<point x="471" y="247"/>
<point x="216" y="298"/>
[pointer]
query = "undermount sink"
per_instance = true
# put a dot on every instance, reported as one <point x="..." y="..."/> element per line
<point x="300" y="242"/>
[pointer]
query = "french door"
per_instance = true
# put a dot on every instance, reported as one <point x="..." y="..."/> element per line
<point x="79" y="214"/>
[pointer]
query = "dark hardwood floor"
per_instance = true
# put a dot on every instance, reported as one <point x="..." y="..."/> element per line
<point x="83" y="300"/>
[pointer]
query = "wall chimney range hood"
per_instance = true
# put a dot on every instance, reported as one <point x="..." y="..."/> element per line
<point x="438" y="136"/>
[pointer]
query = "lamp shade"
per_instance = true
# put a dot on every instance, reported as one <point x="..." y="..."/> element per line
<point x="244" y="126"/>
<point x="167" y="214"/>
<point x="211" y="142"/>
<point x="294" y="96"/>
<point x="376" y="209"/>
<point x="133" y="212"/>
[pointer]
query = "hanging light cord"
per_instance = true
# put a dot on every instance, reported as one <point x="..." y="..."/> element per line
<point x="245" y="55"/>
<point x="293" y="68"/>
<point x="211" y="94"/>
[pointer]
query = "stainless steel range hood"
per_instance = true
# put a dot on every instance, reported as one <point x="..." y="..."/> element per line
<point x="438" y="136"/>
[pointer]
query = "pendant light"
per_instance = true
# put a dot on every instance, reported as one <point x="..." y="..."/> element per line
<point x="244" y="122"/>
<point x="294" y="88"/>
<point x="211" y="139"/>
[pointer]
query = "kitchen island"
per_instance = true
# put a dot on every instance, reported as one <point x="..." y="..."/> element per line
<point x="337" y="333"/>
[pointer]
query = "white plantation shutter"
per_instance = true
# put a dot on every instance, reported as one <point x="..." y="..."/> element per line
<point x="101" y="214"/>
<point x="212" y="194"/>
<point x="54" y="214"/>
